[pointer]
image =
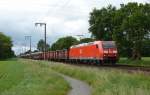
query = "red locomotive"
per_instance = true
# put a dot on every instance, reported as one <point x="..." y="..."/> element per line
<point x="97" y="52"/>
<point x="94" y="52"/>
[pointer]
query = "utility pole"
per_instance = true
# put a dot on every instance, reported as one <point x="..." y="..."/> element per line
<point x="43" y="24"/>
<point x="25" y="43"/>
<point x="29" y="37"/>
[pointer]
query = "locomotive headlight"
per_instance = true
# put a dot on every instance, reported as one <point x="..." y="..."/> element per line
<point x="105" y="51"/>
<point x="114" y="51"/>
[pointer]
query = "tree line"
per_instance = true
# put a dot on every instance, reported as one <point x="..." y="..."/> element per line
<point x="5" y="47"/>
<point x="62" y="43"/>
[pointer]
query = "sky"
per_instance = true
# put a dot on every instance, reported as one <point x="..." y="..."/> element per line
<point x="63" y="18"/>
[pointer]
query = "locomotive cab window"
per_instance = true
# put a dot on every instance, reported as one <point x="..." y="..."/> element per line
<point x="108" y="45"/>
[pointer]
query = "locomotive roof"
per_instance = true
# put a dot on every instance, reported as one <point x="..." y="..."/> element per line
<point x="83" y="44"/>
<point x="90" y="43"/>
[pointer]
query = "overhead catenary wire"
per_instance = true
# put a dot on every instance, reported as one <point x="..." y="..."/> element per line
<point x="64" y="5"/>
<point x="57" y="7"/>
<point x="55" y="11"/>
<point x="60" y="5"/>
<point x="147" y="1"/>
<point x="108" y="2"/>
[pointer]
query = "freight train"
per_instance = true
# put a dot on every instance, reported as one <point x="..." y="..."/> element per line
<point x="97" y="52"/>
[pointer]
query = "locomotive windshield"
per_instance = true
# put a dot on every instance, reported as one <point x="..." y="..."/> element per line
<point x="108" y="44"/>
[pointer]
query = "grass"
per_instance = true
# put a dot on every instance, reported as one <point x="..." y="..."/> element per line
<point x="28" y="77"/>
<point x="144" y="62"/>
<point x="23" y="77"/>
<point x="106" y="81"/>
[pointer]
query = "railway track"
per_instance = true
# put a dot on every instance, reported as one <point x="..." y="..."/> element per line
<point x="129" y="68"/>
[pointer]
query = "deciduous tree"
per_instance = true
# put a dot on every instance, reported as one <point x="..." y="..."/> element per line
<point x="41" y="45"/>
<point x="128" y="25"/>
<point x="5" y="47"/>
<point x="64" y="43"/>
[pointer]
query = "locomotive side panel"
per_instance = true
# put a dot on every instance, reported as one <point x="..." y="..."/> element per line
<point x="85" y="52"/>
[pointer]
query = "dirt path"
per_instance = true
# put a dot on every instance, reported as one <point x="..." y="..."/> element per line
<point x="78" y="87"/>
